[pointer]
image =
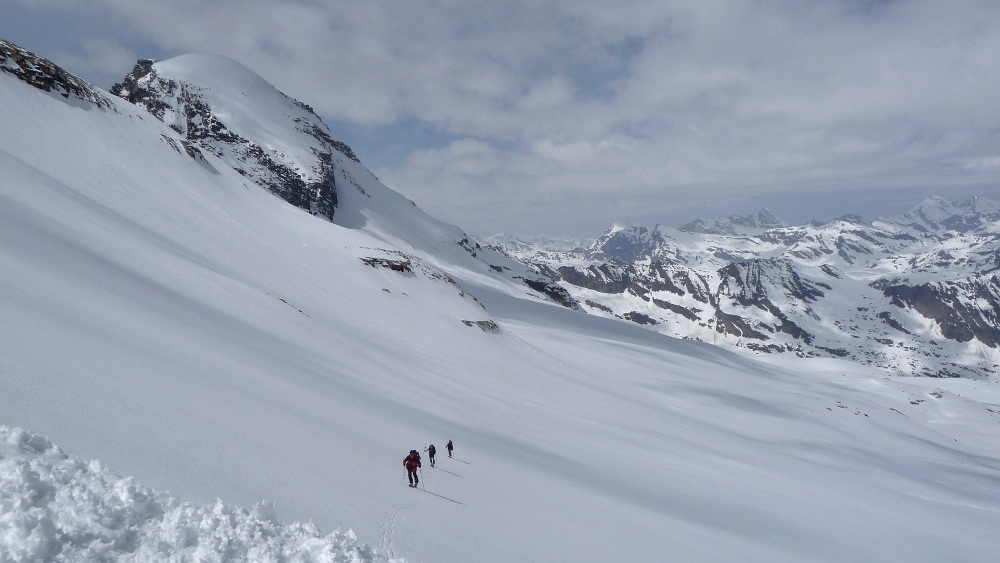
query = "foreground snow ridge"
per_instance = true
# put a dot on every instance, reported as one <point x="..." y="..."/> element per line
<point x="54" y="507"/>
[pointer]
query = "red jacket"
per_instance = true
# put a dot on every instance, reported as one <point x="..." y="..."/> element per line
<point x="411" y="463"/>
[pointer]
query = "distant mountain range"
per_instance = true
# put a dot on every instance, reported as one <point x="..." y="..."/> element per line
<point x="916" y="294"/>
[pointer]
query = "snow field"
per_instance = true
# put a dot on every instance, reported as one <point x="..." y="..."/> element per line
<point x="208" y="339"/>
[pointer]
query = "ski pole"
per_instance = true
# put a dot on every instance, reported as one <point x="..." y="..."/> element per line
<point x="421" y="470"/>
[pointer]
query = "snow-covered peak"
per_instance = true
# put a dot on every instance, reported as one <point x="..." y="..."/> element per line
<point x="936" y="214"/>
<point x="228" y="110"/>
<point x="219" y="73"/>
<point x="512" y="242"/>
<point x="983" y="205"/>
<point x="279" y="143"/>
<point x="629" y="244"/>
<point x="735" y="224"/>
<point x="249" y="105"/>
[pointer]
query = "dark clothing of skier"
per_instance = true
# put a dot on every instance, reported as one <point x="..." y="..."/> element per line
<point x="449" y="447"/>
<point x="431" y="450"/>
<point x="412" y="463"/>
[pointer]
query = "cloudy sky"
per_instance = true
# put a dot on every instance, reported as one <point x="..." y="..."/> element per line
<point x="565" y="116"/>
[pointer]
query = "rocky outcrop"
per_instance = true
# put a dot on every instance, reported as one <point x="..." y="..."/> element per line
<point x="553" y="290"/>
<point x="186" y="110"/>
<point x="963" y="310"/>
<point x="45" y="75"/>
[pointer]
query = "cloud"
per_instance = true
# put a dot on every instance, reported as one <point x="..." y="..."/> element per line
<point x="988" y="163"/>
<point x="628" y="109"/>
<point x="98" y="55"/>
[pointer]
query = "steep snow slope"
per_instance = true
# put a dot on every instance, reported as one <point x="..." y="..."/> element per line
<point x="182" y="325"/>
<point x="225" y="109"/>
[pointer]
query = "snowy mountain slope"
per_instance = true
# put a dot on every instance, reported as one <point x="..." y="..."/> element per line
<point x="168" y="317"/>
<point x="227" y="110"/>
<point x="937" y="214"/>
<point x="917" y="294"/>
<point x="275" y="141"/>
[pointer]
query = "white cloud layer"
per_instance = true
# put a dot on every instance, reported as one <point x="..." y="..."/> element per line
<point x="567" y="116"/>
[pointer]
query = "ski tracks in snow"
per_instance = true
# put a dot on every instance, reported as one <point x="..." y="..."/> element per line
<point x="387" y="524"/>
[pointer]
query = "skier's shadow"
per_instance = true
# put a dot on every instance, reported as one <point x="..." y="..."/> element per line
<point x="456" y="459"/>
<point x="446" y="471"/>
<point x="442" y="496"/>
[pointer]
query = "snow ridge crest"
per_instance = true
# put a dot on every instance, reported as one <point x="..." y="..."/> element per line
<point x="47" y="76"/>
<point x="229" y="111"/>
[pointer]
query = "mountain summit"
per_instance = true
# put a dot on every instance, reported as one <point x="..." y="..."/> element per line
<point x="936" y="214"/>
<point x="228" y="110"/>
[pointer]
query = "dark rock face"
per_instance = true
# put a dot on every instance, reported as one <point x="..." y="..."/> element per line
<point x="323" y="136"/>
<point x="139" y="93"/>
<point x="604" y="278"/>
<point x="887" y="317"/>
<point x="485" y="326"/>
<point x="639" y="318"/>
<point x="46" y="75"/>
<point x="639" y="279"/>
<point x="402" y="265"/>
<point x="963" y="309"/>
<point x="736" y="325"/>
<point x="748" y="282"/>
<point x="553" y="290"/>
<point x="313" y="190"/>
<point x="759" y="283"/>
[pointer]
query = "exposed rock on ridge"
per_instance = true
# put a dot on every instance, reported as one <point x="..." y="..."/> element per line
<point x="186" y="109"/>
<point x="46" y="75"/>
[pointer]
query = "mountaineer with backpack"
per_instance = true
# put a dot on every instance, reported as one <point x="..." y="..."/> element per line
<point x="431" y="450"/>
<point x="449" y="447"/>
<point x="412" y="463"/>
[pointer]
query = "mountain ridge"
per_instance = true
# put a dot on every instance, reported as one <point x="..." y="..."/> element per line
<point x="914" y="294"/>
<point x="182" y="92"/>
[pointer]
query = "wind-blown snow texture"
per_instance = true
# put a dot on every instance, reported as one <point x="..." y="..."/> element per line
<point x="60" y="508"/>
<point x="169" y="317"/>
